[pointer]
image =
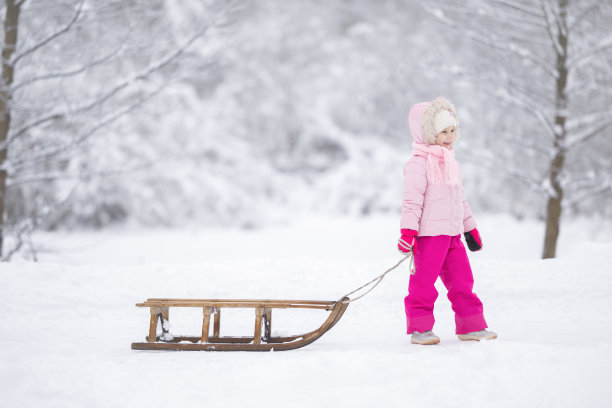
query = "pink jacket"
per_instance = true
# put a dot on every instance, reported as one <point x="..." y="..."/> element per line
<point x="432" y="207"/>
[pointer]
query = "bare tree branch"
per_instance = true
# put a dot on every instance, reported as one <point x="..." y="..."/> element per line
<point x="517" y="94"/>
<point x="48" y="177"/>
<point x="519" y="141"/>
<point x="517" y="84"/>
<point x="526" y="103"/>
<point x="38" y="122"/>
<point x="485" y="11"/>
<point x="584" y="136"/>
<point x="493" y="43"/>
<point x="52" y="37"/>
<point x="590" y="119"/>
<point x="552" y="36"/>
<point x="585" y="12"/>
<point x="491" y="162"/>
<point x="595" y="84"/>
<point x="86" y="135"/>
<point x="41" y="157"/>
<point x="530" y="11"/>
<point x="604" y="45"/>
<point x="560" y="21"/>
<point x="66" y="74"/>
<point x="599" y="189"/>
<point x="22" y="234"/>
<point x="114" y="91"/>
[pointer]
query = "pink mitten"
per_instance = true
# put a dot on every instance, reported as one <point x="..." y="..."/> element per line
<point x="407" y="241"/>
<point x="474" y="242"/>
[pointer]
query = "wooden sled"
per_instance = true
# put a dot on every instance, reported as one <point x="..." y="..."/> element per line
<point x="262" y="340"/>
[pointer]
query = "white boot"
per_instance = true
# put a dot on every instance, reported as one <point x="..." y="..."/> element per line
<point x="427" y="337"/>
<point x="478" y="335"/>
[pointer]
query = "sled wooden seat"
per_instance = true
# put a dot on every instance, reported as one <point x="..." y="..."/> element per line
<point x="160" y="312"/>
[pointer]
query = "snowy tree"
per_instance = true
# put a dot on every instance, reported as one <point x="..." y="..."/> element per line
<point x="70" y="69"/>
<point x="553" y="60"/>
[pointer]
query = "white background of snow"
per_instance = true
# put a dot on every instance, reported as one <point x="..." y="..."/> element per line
<point x="68" y="321"/>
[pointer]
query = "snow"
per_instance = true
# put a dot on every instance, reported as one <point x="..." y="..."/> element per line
<point x="69" y="320"/>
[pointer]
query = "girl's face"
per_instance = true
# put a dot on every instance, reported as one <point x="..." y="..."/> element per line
<point x="446" y="138"/>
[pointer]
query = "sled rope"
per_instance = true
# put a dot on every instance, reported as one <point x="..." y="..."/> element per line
<point x="376" y="280"/>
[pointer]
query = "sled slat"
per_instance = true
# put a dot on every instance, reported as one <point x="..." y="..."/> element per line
<point x="206" y="323"/>
<point x="258" y="318"/>
<point x="238" y="303"/>
<point x="263" y="301"/>
<point x="166" y="314"/>
<point x="153" y="324"/>
<point x="267" y="320"/>
<point x="217" y="323"/>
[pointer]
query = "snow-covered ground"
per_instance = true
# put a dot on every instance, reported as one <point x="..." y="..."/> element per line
<point x="68" y="320"/>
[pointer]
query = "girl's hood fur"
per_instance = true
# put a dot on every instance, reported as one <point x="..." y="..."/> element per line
<point x="421" y="119"/>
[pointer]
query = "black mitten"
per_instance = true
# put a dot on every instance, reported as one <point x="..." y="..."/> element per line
<point x="472" y="238"/>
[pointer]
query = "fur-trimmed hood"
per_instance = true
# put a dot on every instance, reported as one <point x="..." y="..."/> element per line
<point x="421" y="119"/>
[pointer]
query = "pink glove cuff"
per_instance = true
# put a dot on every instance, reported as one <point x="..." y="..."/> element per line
<point x="407" y="241"/>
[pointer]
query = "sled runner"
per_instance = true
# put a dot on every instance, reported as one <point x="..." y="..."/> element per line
<point x="262" y="339"/>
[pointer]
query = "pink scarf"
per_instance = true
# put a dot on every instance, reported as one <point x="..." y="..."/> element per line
<point x="435" y="156"/>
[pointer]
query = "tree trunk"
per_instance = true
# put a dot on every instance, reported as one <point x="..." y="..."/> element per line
<point x="11" y="25"/>
<point x="553" y="208"/>
<point x="553" y="213"/>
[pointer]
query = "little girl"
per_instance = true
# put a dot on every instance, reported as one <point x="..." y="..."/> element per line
<point x="434" y="215"/>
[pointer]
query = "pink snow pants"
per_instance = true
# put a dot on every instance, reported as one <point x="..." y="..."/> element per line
<point x="442" y="256"/>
